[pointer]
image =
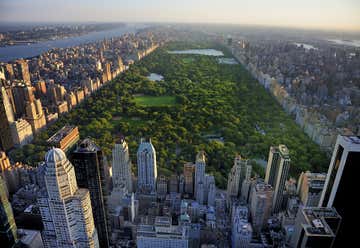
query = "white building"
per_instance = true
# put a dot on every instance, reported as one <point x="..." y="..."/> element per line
<point x="147" y="169"/>
<point x="65" y="209"/>
<point x="121" y="166"/>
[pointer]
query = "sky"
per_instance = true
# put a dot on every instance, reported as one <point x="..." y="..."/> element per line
<point x="314" y="14"/>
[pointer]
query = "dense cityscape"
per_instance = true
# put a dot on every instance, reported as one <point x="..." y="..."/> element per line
<point x="177" y="135"/>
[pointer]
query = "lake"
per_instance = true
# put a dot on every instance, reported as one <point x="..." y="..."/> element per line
<point x="208" y="52"/>
<point x="10" y="53"/>
<point x="155" y="77"/>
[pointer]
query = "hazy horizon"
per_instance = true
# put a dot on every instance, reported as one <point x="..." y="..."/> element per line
<point x="341" y="15"/>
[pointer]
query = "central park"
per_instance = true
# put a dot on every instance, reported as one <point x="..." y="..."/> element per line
<point x="199" y="104"/>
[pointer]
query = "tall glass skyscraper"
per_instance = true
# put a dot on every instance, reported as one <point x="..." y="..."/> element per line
<point x="8" y="229"/>
<point x="341" y="185"/>
<point x="89" y="165"/>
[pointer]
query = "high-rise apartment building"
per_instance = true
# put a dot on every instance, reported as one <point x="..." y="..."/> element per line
<point x="310" y="187"/>
<point x="341" y="179"/>
<point x="21" y="132"/>
<point x="23" y="71"/>
<point x="200" y="165"/>
<point x="147" y="168"/>
<point x="277" y="172"/>
<point x="121" y="165"/>
<point x="6" y="118"/>
<point x="241" y="230"/>
<point x="161" y="186"/>
<point x="240" y="171"/>
<point x="261" y="205"/>
<point x="35" y="115"/>
<point x="174" y="184"/>
<point x="210" y="190"/>
<point x="189" y="174"/>
<point x="65" y="209"/>
<point x="90" y="168"/>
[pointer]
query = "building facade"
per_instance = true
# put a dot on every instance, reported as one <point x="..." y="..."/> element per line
<point x="121" y="165"/>
<point x="200" y="165"/>
<point x="65" y="209"/>
<point x="340" y="180"/>
<point x="147" y="168"/>
<point x="310" y="187"/>
<point x="277" y="172"/>
<point x="261" y="205"/>
<point x="89" y="166"/>
<point x="8" y="235"/>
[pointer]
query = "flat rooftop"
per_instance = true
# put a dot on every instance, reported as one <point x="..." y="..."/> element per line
<point x="316" y="220"/>
<point x="63" y="132"/>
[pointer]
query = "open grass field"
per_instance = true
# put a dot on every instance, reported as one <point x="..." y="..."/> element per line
<point x="155" y="101"/>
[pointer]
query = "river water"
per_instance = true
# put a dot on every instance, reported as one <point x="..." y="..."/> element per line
<point x="10" y="53"/>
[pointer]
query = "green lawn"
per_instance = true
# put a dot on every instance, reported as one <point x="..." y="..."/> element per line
<point x="188" y="60"/>
<point x="155" y="101"/>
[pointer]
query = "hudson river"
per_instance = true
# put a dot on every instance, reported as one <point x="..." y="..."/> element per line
<point x="10" y="53"/>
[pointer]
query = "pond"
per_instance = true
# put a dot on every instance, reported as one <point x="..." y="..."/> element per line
<point x="155" y="77"/>
<point x="227" y="61"/>
<point x="208" y="52"/>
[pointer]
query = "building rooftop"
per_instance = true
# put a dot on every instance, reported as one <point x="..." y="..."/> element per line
<point x="316" y="220"/>
<point x="87" y="145"/>
<point x="59" y="135"/>
<point x="55" y="155"/>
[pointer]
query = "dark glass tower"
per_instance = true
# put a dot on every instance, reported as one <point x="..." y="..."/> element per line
<point x="340" y="189"/>
<point x="89" y="165"/>
<point x="8" y="230"/>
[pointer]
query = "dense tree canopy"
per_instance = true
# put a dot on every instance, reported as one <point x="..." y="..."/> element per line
<point x="212" y="100"/>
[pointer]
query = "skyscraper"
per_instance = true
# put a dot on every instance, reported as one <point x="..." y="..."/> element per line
<point x="189" y="172"/>
<point x="277" y="172"/>
<point x="90" y="173"/>
<point x="23" y="71"/>
<point x="240" y="171"/>
<point x="147" y="168"/>
<point x="200" y="165"/>
<point x="241" y="230"/>
<point x="341" y="179"/>
<point x="8" y="236"/>
<point x="210" y="190"/>
<point x="35" y="115"/>
<point x="310" y="187"/>
<point x="65" y="209"/>
<point x="260" y="206"/>
<point x="121" y="165"/>
<point x="6" y="118"/>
